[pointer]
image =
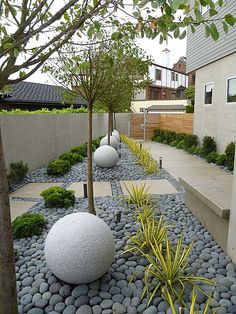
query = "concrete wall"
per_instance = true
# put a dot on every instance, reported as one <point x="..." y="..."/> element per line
<point x="219" y="119"/>
<point x="137" y="104"/>
<point x="232" y="222"/>
<point x="37" y="139"/>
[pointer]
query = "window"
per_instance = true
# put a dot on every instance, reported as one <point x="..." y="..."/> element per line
<point x="141" y="109"/>
<point x="208" y="94"/>
<point x="176" y="77"/>
<point x="231" y="90"/>
<point x="158" y="75"/>
<point x="172" y="76"/>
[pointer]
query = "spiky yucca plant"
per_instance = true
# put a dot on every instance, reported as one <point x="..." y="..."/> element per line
<point x="138" y="195"/>
<point x="167" y="271"/>
<point x="150" y="234"/>
<point x="192" y="309"/>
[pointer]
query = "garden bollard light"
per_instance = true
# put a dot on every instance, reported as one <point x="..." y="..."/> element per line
<point x="160" y="162"/>
<point x="118" y="216"/>
<point x="140" y="145"/>
<point x="119" y="155"/>
<point x="85" y="190"/>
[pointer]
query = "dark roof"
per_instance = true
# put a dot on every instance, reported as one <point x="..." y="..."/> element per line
<point x="166" y="108"/>
<point x="39" y="94"/>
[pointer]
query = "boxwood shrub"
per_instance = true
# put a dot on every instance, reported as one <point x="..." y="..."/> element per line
<point x="221" y="160"/>
<point x="58" y="167"/>
<point x="17" y="172"/>
<point x="72" y="157"/>
<point x="211" y="157"/>
<point x="230" y="154"/>
<point x="57" y="196"/>
<point x="208" y="145"/>
<point x="27" y="225"/>
<point x="189" y="141"/>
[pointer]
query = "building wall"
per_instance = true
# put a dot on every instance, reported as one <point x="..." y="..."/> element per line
<point x="201" y="50"/>
<point x="219" y="119"/>
<point x="38" y="138"/>
<point x="137" y="104"/>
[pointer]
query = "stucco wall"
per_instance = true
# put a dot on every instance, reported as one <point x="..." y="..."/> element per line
<point x="137" y="104"/>
<point x="37" y="139"/>
<point x="218" y="119"/>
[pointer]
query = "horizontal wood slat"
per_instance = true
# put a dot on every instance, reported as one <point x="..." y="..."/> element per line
<point x="179" y="123"/>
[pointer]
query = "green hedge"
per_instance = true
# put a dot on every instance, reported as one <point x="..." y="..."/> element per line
<point x="190" y="144"/>
<point x="57" y="196"/>
<point x="27" y="225"/>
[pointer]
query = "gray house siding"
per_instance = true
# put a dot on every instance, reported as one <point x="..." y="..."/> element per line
<point x="202" y="51"/>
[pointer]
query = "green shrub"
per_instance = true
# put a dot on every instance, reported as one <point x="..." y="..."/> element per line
<point x="198" y="151"/>
<point x="180" y="137"/>
<point x="189" y="141"/>
<point x="189" y="109"/>
<point x="221" y="160"/>
<point x="208" y="145"/>
<point x="174" y="143"/>
<point x="72" y="158"/>
<point x="27" y="225"/>
<point x="96" y="143"/>
<point x="156" y="133"/>
<point x="58" y="167"/>
<point x="230" y="152"/>
<point x="81" y="150"/>
<point x="169" y="136"/>
<point x="192" y="149"/>
<point x="56" y="196"/>
<point x="211" y="157"/>
<point x="180" y="144"/>
<point x="18" y="171"/>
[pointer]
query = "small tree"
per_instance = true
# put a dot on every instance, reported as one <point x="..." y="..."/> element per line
<point x="190" y="93"/>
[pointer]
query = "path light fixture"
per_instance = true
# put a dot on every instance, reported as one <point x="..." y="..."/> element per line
<point x="160" y="162"/>
<point x="140" y="144"/>
<point x="118" y="216"/>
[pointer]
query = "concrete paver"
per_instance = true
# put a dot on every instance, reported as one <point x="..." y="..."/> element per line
<point x="154" y="186"/>
<point x="19" y="207"/>
<point x="99" y="189"/>
<point x="33" y="190"/>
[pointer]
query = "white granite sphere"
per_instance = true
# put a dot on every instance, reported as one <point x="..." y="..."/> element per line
<point x="106" y="156"/>
<point x="79" y="248"/>
<point x="116" y="131"/>
<point x="113" y="141"/>
<point x="116" y="136"/>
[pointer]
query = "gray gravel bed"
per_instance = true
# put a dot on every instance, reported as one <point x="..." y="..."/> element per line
<point x="120" y="289"/>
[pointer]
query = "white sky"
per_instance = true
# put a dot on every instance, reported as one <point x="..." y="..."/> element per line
<point x="177" y="49"/>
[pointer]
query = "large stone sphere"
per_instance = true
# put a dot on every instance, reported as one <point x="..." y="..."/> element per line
<point x="113" y="141"/>
<point x="106" y="156"/>
<point x="115" y="131"/>
<point x="79" y="248"/>
<point x="114" y="134"/>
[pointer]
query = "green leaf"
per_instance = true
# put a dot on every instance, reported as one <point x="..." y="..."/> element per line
<point x="22" y="74"/>
<point x="220" y="3"/>
<point x="16" y="52"/>
<point x="192" y="28"/>
<point x="207" y="31"/>
<point x="198" y="15"/>
<point x="175" y="5"/>
<point x="230" y="19"/>
<point x="176" y="32"/>
<point x="182" y="35"/>
<point x="214" y="32"/>
<point x="213" y="12"/>
<point x="225" y="27"/>
<point x="7" y="45"/>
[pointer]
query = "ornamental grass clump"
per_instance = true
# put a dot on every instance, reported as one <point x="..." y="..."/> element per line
<point x="167" y="271"/>
<point x="17" y="172"/>
<point x="143" y="155"/>
<point x="150" y="234"/>
<point x="192" y="308"/>
<point x="138" y="195"/>
<point x="27" y="225"/>
<point x="57" y="196"/>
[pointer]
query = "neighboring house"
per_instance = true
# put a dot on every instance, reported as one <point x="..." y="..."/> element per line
<point x="33" y="96"/>
<point x="167" y="84"/>
<point x="159" y="106"/>
<point x="166" y="109"/>
<point x="215" y="67"/>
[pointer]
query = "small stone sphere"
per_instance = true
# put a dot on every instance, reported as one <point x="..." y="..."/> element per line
<point x="113" y="141"/>
<point x="115" y="131"/>
<point x="116" y="136"/>
<point x="79" y="248"/>
<point x="106" y="156"/>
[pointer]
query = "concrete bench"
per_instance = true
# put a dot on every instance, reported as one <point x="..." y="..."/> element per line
<point x="209" y="200"/>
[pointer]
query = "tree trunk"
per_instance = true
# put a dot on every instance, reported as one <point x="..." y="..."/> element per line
<point x="91" y="208"/>
<point x="8" y="301"/>
<point x="112" y="123"/>
<point x="109" y="125"/>
<point x="114" y="120"/>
